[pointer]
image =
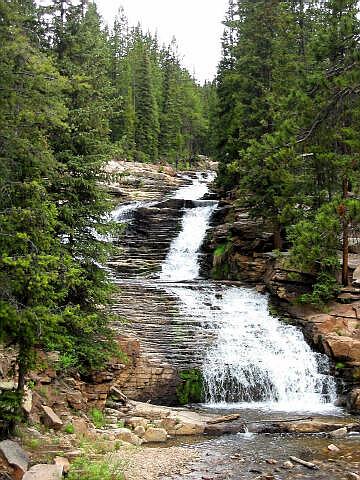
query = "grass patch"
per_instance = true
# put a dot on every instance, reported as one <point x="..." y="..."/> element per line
<point x="97" y="418"/>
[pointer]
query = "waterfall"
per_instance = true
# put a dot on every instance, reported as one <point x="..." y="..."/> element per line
<point x="182" y="260"/>
<point x="255" y="358"/>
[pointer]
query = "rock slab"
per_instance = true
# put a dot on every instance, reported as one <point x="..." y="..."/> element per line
<point x="16" y="457"/>
<point x="44" y="472"/>
<point x="50" y="418"/>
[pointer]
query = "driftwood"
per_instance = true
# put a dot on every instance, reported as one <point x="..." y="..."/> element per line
<point x="118" y="394"/>
<point x="310" y="465"/>
<point x="225" y="419"/>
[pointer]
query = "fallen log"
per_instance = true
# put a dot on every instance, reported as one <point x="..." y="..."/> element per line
<point x="225" y="428"/>
<point x="225" y="419"/>
<point x="306" y="464"/>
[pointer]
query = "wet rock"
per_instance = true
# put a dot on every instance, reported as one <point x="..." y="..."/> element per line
<point x="16" y="457"/>
<point x="339" y="433"/>
<point x="50" y="419"/>
<point x="44" y="472"/>
<point x="158" y="435"/>
<point x="333" y="448"/>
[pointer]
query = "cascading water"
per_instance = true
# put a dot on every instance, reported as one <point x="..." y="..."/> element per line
<point x="255" y="358"/>
<point x="182" y="260"/>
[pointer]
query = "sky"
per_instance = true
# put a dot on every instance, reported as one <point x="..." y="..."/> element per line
<point x="196" y="25"/>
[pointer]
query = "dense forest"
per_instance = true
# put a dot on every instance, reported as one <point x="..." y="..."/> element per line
<point x="75" y="94"/>
<point x="285" y="126"/>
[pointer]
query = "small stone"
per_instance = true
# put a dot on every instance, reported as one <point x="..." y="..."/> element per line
<point x="339" y="433"/>
<point x="155" y="435"/>
<point x="288" y="465"/>
<point x="271" y="461"/>
<point x="16" y="457"/>
<point x="44" y="472"/>
<point x="64" y="462"/>
<point x="333" y="448"/>
<point x="50" y="419"/>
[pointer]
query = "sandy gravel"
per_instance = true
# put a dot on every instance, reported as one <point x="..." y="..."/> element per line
<point x="155" y="463"/>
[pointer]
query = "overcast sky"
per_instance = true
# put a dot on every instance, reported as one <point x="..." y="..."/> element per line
<point x="196" y="24"/>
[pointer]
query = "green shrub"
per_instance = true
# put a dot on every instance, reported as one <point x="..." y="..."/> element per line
<point x="191" y="389"/>
<point x="97" y="418"/>
<point x="69" y="428"/>
<point x="85" y="469"/>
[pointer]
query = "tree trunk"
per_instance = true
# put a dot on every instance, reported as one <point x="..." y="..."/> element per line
<point x="278" y="242"/>
<point x="345" y="246"/>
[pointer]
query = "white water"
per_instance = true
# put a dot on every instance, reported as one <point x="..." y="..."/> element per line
<point x="182" y="260"/>
<point x="256" y="361"/>
<point x="197" y="189"/>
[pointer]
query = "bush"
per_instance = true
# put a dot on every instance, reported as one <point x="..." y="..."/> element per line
<point x="84" y="469"/>
<point x="97" y="418"/>
<point x="191" y="389"/>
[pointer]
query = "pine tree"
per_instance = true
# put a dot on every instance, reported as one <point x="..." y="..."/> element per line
<point x="33" y="272"/>
<point x="146" y="108"/>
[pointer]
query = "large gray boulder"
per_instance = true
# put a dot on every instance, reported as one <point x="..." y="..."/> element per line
<point x="44" y="472"/>
<point x="15" y="456"/>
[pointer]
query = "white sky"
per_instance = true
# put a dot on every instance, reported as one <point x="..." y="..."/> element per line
<point x="196" y="24"/>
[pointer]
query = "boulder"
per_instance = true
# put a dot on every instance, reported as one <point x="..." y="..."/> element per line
<point x="356" y="277"/>
<point x="27" y="401"/>
<point x="157" y="435"/>
<point x="62" y="462"/>
<point x="50" y="419"/>
<point x="16" y="457"/>
<point x="126" y="435"/>
<point x="80" y="426"/>
<point x="137" y="422"/>
<point x="149" y="411"/>
<point x="44" y="472"/>
<point x="7" y="385"/>
<point x="339" y="433"/>
<point x="353" y="401"/>
<point x="139" y="431"/>
<point x="189" y="428"/>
